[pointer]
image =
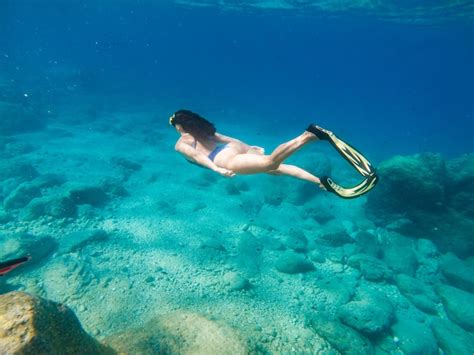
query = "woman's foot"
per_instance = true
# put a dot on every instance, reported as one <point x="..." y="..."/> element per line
<point x="309" y="136"/>
<point x="320" y="184"/>
<point x="319" y="132"/>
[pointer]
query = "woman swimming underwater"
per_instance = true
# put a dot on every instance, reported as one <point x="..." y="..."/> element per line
<point x="201" y="144"/>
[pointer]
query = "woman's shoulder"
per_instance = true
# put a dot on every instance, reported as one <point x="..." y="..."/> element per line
<point x="187" y="138"/>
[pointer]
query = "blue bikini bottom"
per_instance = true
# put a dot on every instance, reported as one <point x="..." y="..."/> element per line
<point x="216" y="151"/>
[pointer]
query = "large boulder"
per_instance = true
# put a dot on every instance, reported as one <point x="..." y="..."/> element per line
<point x="422" y="296"/>
<point x="179" y="333"/>
<point x="427" y="197"/>
<point x="343" y="338"/>
<point x="452" y="339"/>
<point x="336" y="290"/>
<point x="400" y="259"/>
<point x="458" y="305"/>
<point x="460" y="187"/>
<point x="370" y="313"/>
<point x="414" y="337"/>
<point x="458" y="273"/>
<point x="32" y="325"/>
<point x="409" y="183"/>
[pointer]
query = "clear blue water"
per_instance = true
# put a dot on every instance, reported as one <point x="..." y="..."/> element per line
<point x="405" y="86"/>
<point x="123" y="231"/>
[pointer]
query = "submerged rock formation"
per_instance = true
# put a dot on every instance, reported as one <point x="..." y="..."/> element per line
<point x="370" y="313"/>
<point x="343" y="338"/>
<point x="425" y="196"/>
<point x="32" y="325"/>
<point x="179" y="333"/>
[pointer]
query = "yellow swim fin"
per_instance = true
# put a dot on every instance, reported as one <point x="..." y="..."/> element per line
<point x="354" y="157"/>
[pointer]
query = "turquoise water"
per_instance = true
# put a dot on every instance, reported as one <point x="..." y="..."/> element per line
<point x="127" y="234"/>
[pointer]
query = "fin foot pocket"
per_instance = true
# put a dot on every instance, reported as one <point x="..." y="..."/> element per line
<point x="319" y="132"/>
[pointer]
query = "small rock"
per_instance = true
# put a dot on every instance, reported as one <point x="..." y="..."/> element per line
<point x="91" y="195"/>
<point x="321" y="215"/>
<point x="317" y="256"/>
<point x="296" y="241"/>
<point x="293" y="263"/>
<point x="236" y="282"/>
<point x="212" y="243"/>
<point x="150" y="279"/>
<point x="126" y="164"/>
<point x="334" y="235"/>
<point x="371" y="268"/>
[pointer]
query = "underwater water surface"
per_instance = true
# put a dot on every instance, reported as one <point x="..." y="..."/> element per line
<point x="155" y="255"/>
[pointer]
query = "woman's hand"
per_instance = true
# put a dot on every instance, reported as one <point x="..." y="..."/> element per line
<point x="225" y="172"/>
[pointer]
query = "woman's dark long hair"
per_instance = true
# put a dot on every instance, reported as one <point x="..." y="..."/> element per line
<point x="195" y="125"/>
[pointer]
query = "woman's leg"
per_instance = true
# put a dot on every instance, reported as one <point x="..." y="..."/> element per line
<point x="284" y="150"/>
<point x="255" y="163"/>
<point x="296" y="172"/>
